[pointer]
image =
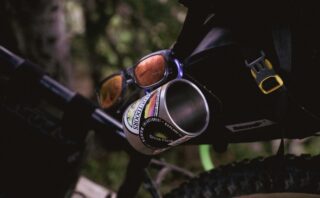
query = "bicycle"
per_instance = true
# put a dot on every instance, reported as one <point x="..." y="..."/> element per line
<point x="251" y="172"/>
<point x="279" y="173"/>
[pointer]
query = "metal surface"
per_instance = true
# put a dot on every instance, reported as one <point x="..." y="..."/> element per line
<point x="10" y="58"/>
<point x="185" y="107"/>
<point x="169" y="116"/>
<point x="57" y="89"/>
<point x="102" y="117"/>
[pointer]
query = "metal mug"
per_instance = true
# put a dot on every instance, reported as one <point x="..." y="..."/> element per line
<point x="168" y="116"/>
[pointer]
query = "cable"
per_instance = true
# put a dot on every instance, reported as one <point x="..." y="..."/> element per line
<point x="205" y="157"/>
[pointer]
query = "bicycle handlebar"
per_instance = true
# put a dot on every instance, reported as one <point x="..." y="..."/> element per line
<point x="24" y="71"/>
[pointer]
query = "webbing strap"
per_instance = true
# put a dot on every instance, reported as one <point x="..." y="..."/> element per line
<point x="283" y="45"/>
<point x="192" y="31"/>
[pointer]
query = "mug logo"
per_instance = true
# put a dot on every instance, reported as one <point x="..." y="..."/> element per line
<point x="157" y="133"/>
<point x="133" y="115"/>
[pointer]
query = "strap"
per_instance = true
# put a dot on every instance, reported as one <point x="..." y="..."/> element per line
<point x="216" y="37"/>
<point x="262" y="71"/>
<point x="283" y="45"/>
<point x="268" y="81"/>
<point x="192" y="31"/>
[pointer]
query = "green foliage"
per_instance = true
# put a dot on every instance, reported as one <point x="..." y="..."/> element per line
<point x="106" y="168"/>
<point x="118" y="33"/>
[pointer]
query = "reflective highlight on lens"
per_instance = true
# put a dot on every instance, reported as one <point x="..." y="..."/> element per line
<point x="150" y="70"/>
<point x="110" y="91"/>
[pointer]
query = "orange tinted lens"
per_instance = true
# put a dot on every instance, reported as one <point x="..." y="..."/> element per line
<point x="110" y="91"/>
<point x="150" y="70"/>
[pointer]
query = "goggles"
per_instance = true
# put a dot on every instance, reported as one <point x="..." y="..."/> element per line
<point x="150" y="72"/>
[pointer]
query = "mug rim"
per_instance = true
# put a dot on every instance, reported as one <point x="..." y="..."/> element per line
<point x="207" y="111"/>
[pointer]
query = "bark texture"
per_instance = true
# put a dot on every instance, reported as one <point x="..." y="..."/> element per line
<point x="37" y="30"/>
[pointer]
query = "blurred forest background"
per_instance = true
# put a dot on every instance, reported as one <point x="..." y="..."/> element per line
<point x="79" y="42"/>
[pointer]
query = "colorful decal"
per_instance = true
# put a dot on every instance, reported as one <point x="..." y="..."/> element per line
<point x="152" y="106"/>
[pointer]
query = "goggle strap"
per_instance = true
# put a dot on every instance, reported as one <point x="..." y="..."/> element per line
<point x="179" y="68"/>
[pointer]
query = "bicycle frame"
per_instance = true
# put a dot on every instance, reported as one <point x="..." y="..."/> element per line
<point x="90" y="116"/>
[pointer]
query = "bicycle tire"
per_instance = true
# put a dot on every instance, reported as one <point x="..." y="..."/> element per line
<point x="275" y="174"/>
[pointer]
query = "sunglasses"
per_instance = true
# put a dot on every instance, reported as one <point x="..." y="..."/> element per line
<point x="149" y="73"/>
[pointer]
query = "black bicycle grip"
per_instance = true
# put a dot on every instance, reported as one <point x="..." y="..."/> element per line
<point x="29" y="82"/>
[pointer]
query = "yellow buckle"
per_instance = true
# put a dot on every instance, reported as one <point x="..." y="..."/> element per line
<point x="276" y="80"/>
<point x="266" y="78"/>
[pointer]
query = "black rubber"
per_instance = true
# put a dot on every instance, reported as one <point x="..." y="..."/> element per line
<point x="300" y="174"/>
<point x="36" y="158"/>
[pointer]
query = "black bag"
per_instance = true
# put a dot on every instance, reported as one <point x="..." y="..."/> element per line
<point x="289" y="37"/>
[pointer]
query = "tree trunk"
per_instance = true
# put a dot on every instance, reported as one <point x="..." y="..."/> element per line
<point x="96" y="20"/>
<point x="39" y="30"/>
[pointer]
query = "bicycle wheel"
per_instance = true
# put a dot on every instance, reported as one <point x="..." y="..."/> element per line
<point x="276" y="174"/>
